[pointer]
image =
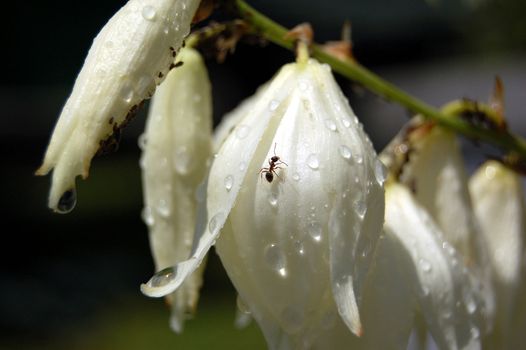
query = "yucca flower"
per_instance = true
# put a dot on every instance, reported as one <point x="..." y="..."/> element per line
<point x="176" y="147"/>
<point x="296" y="237"/>
<point x="498" y="200"/>
<point x="129" y="57"/>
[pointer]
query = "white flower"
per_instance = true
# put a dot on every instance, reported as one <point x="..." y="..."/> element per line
<point x="417" y="271"/>
<point x="129" y="57"/>
<point x="297" y="244"/>
<point x="177" y="145"/>
<point x="498" y="201"/>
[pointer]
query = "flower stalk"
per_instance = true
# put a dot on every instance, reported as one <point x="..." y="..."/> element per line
<point x="276" y="33"/>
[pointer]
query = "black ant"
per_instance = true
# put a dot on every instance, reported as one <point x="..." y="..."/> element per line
<point x="274" y="162"/>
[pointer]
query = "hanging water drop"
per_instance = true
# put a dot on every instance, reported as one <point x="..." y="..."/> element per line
<point x="315" y="231"/>
<point x="148" y="13"/>
<point x="380" y="172"/>
<point x="345" y="152"/>
<point x="147" y="216"/>
<point x="162" y="278"/>
<point x="67" y="201"/>
<point x="229" y="182"/>
<point x="313" y="162"/>
<point x="275" y="259"/>
<point x="141" y="141"/>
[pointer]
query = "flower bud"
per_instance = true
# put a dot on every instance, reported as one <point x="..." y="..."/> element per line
<point x="296" y="189"/>
<point x="129" y="57"/>
<point x="177" y="145"/>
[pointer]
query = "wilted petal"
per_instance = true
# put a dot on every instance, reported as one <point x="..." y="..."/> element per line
<point x="444" y="289"/>
<point x="177" y="144"/>
<point x="130" y="55"/>
<point x="498" y="201"/>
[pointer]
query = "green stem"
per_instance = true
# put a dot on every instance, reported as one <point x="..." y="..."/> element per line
<point x="275" y="33"/>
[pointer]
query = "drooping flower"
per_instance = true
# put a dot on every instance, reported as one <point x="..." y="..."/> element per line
<point x="296" y="192"/>
<point x="417" y="272"/>
<point x="498" y="201"/>
<point x="129" y="57"/>
<point x="177" y="145"/>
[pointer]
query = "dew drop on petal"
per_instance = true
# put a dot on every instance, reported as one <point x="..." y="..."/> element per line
<point x="358" y="158"/>
<point x="215" y="222"/>
<point x="303" y="85"/>
<point x="242" y="165"/>
<point x="315" y="231"/>
<point x="425" y="291"/>
<point x="141" y="141"/>
<point x="67" y="201"/>
<point x="162" y="278"/>
<point x="148" y="12"/>
<point x="300" y="248"/>
<point x="313" y="162"/>
<point x="229" y="182"/>
<point x="360" y="208"/>
<point x="147" y="216"/>
<point x="127" y="93"/>
<point x="380" y="172"/>
<point x="182" y="161"/>
<point x="475" y="332"/>
<point x="330" y="124"/>
<point x="275" y="259"/>
<point x="163" y="208"/>
<point x="346" y="122"/>
<point x="471" y="305"/>
<point x="273" y="199"/>
<point x="296" y="177"/>
<point x="242" y="131"/>
<point x="424" y="265"/>
<point x="345" y="152"/>
<point x="242" y="306"/>
<point x="489" y="172"/>
<point x="273" y="105"/>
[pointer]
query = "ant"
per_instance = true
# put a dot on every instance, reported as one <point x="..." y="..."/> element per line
<point x="274" y="163"/>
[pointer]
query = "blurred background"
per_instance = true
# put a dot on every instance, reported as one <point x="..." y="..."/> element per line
<point x="72" y="281"/>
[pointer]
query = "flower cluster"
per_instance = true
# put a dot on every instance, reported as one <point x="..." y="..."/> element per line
<point x="328" y="245"/>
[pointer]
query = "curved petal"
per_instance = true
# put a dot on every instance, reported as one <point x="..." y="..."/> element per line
<point x="498" y="202"/>
<point x="228" y="170"/>
<point x="177" y="144"/>
<point x="448" y="295"/>
<point x="131" y="54"/>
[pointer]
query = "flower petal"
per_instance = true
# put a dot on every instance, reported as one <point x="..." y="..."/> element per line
<point x="224" y="183"/>
<point x="130" y="55"/>
<point x="177" y="145"/>
<point x="446" y="291"/>
<point x="498" y="202"/>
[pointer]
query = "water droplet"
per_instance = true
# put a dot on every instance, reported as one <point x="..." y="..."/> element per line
<point x="141" y="141"/>
<point x="471" y="305"/>
<point x="166" y="30"/>
<point x="242" y="166"/>
<point x="380" y="171"/>
<point x="242" y="306"/>
<point x="182" y="161"/>
<point x="273" y="199"/>
<point x="163" y="208"/>
<point x="292" y="319"/>
<point x="162" y="278"/>
<point x="346" y="122"/>
<point x="147" y="216"/>
<point x="127" y="93"/>
<point x="275" y="259"/>
<point x="360" y="208"/>
<point x="215" y="223"/>
<point x="313" y="162"/>
<point x="197" y="98"/>
<point x="229" y="181"/>
<point x="296" y="177"/>
<point x="424" y="265"/>
<point x="330" y="124"/>
<point x="489" y="172"/>
<point x="303" y="85"/>
<point x="425" y="291"/>
<point x="242" y="131"/>
<point x="273" y="105"/>
<point x="300" y="248"/>
<point x="345" y="152"/>
<point x="148" y="12"/>
<point x="358" y="158"/>
<point x="475" y="332"/>
<point x="315" y="231"/>
<point x="67" y="201"/>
